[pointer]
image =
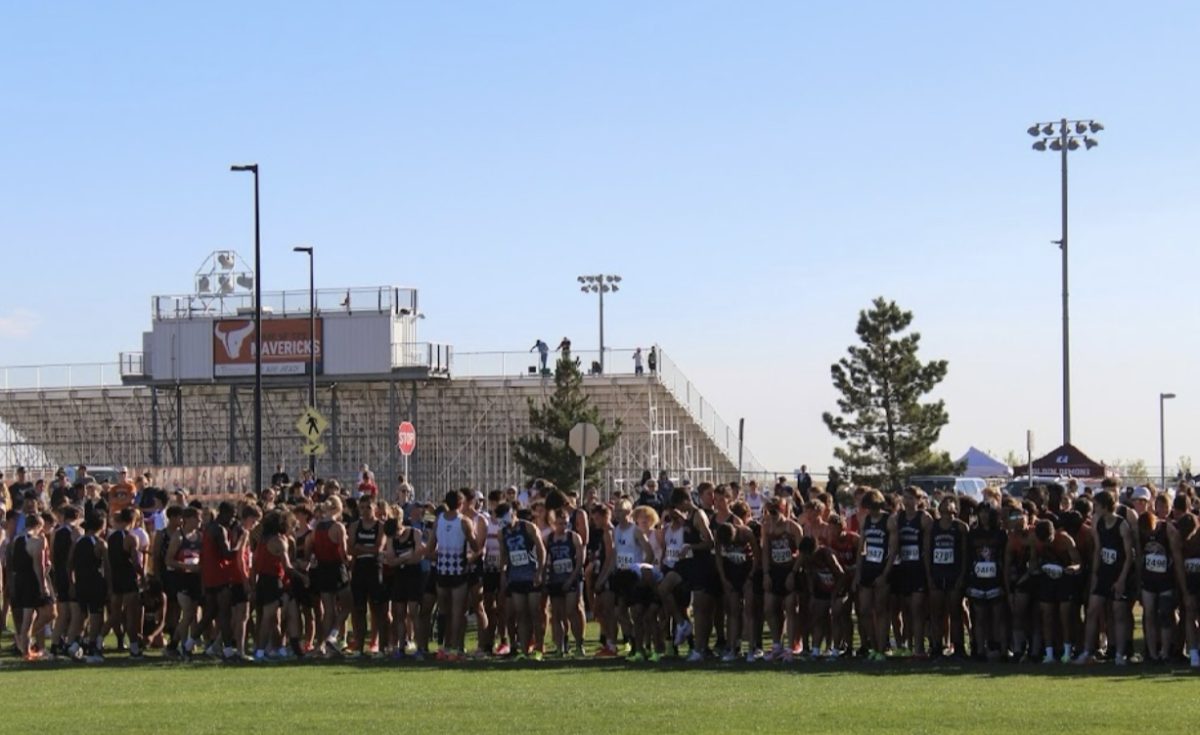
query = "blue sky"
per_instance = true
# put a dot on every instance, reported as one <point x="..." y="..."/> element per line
<point x="756" y="172"/>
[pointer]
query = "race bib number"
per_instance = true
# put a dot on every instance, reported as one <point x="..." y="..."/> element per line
<point x="985" y="569"/>
<point x="563" y="566"/>
<point x="492" y="558"/>
<point x="1191" y="566"/>
<point x="781" y="555"/>
<point x="736" y="557"/>
<point x="943" y="556"/>
<point x="624" y="560"/>
<point x="875" y="554"/>
<point x="1053" y="571"/>
<point x="910" y="553"/>
<point x="1156" y="563"/>
<point x="673" y="556"/>
<point x="518" y="558"/>
<point x="1108" y="556"/>
<point x="826" y="579"/>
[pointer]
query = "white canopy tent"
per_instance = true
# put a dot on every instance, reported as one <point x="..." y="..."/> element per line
<point x="979" y="464"/>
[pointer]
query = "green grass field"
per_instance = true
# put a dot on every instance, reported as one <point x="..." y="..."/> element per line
<point x="556" y="697"/>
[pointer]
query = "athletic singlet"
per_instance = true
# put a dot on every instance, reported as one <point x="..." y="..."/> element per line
<point x="160" y="559"/>
<point x="755" y="503"/>
<point x="675" y="548"/>
<point x="822" y="571"/>
<point x="627" y="551"/>
<point x="845" y="547"/>
<point x="596" y="549"/>
<point x="875" y="542"/>
<point x="522" y="563"/>
<point x="782" y="551"/>
<point x="86" y="565"/>
<point x="366" y="537"/>
<point x="946" y="545"/>
<point x="403" y="542"/>
<point x="1020" y="554"/>
<point x="909" y="549"/>
<point x="216" y="570"/>
<point x="562" y="558"/>
<point x="266" y="563"/>
<point x="118" y="558"/>
<point x="21" y="566"/>
<point x="1191" y="559"/>
<point x="987" y="555"/>
<point x="736" y="554"/>
<point x="1157" y="564"/>
<point x="1053" y="562"/>
<point x="491" y="545"/>
<point x="1112" y="549"/>
<point x="60" y="552"/>
<point x="451" y="546"/>
<point x="324" y="549"/>
<point x="188" y="554"/>
<point x="692" y="536"/>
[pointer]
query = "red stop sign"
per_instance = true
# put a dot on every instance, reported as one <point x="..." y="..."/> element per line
<point x="406" y="438"/>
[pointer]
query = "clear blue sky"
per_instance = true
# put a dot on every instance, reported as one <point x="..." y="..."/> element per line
<point x="756" y="171"/>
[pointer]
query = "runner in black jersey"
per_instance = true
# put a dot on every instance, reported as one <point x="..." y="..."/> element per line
<point x="735" y="560"/>
<point x="165" y="578"/>
<point x="1112" y="580"/>
<point x="366" y="581"/>
<point x="564" y="569"/>
<point x="182" y="561"/>
<point x="871" y="577"/>
<point x="945" y="565"/>
<point x="402" y="551"/>
<point x="1189" y="539"/>
<point x="64" y="538"/>
<point x="1057" y="558"/>
<point x="602" y="567"/>
<point x="89" y="592"/>
<point x="906" y="529"/>
<point x="32" y="592"/>
<point x="1162" y="574"/>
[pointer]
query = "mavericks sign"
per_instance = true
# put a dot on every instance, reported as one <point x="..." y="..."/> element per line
<point x="285" y="346"/>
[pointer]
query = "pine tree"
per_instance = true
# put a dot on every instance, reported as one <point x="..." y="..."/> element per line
<point x="544" y="453"/>
<point x="888" y="432"/>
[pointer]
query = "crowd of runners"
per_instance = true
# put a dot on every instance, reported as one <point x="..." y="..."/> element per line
<point x="711" y="572"/>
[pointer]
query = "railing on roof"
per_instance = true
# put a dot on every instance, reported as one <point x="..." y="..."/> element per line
<point x="434" y="357"/>
<point x="74" y="375"/>
<point x="527" y="364"/>
<point x="375" y="299"/>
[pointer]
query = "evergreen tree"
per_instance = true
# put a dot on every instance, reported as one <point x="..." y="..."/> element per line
<point x="888" y="432"/>
<point x="545" y="453"/>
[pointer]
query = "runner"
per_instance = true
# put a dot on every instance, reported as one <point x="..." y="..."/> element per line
<point x="906" y="529"/>
<point x="1162" y="574"/>
<point x="125" y="567"/>
<point x="326" y="549"/>
<point x="824" y="574"/>
<point x="781" y="536"/>
<point x="1189" y="534"/>
<point x="1020" y="578"/>
<point x="471" y="510"/>
<point x="735" y="560"/>
<point x="493" y="597"/>
<point x="699" y="568"/>
<point x="452" y="545"/>
<point x="985" y="544"/>
<point x="845" y="545"/>
<point x="672" y="590"/>
<point x="271" y="578"/>
<point x="163" y="579"/>
<point x="89" y="558"/>
<point x="1057" y="558"/>
<point x="403" y="551"/>
<point x="32" y="594"/>
<point x="366" y="580"/>
<point x="65" y="536"/>
<point x="183" y="563"/>
<point x="240" y="584"/>
<point x="522" y="565"/>
<point x="1112" y="582"/>
<point x="871" y="579"/>
<point x="565" y="551"/>
<point x="601" y="555"/>
<point x="648" y="638"/>
<point x="946" y="569"/>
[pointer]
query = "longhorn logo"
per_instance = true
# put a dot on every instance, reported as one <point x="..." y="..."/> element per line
<point x="233" y="337"/>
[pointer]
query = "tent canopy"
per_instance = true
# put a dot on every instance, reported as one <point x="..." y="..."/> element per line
<point x="1065" y="461"/>
<point x="980" y="464"/>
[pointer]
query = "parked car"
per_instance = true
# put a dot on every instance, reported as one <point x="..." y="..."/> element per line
<point x="1016" y="487"/>
<point x="970" y="487"/>
<point x="102" y="474"/>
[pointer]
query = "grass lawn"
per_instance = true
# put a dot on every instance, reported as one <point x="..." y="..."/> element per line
<point x="595" y="696"/>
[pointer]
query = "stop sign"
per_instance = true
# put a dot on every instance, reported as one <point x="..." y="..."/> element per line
<point x="406" y="438"/>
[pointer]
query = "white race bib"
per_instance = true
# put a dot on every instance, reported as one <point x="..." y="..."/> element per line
<point x="1156" y="563"/>
<point x="673" y="555"/>
<point x="1108" y="556"/>
<point x="781" y="554"/>
<point x="985" y="569"/>
<point x="825" y="578"/>
<point x="736" y="557"/>
<point x="908" y="552"/>
<point x="1191" y="566"/>
<point x="624" y="560"/>
<point x="943" y="556"/>
<point x="875" y="554"/>
<point x="563" y="566"/>
<point x="518" y="558"/>
<point x="1053" y="571"/>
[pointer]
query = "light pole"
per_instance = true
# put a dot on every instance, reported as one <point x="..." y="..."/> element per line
<point x="600" y="284"/>
<point x="312" y="343"/>
<point x="258" y="458"/>
<point x="1068" y="138"/>
<point x="1162" y="440"/>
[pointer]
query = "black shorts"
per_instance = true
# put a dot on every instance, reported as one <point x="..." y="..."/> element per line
<point x="869" y="574"/>
<point x="1056" y="591"/>
<point x="301" y="592"/>
<point x="944" y="584"/>
<point x="92" y="599"/>
<point x="329" y="577"/>
<point x="1105" y="588"/>
<point x="62" y="589"/>
<point x="170" y="583"/>
<point x="523" y="588"/>
<point x="984" y="595"/>
<point x="1193" y="584"/>
<point x="29" y="596"/>
<point x="756" y="582"/>
<point x="736" y="575"/>
<point x="450" y="581"/>
<point x="560" y="589"/>
<point x="1029" y="586"/>
<point x="779" y="576"/>
<point x="407" y="584"/>
<point x="703" y="577"/>
<point x="431" y="585"/>
<point x="124" y="584"/>
<point x="237" y="594"/>
<point x="475" y="573"/>
<point x="366" y="586"/>
<point x="491" y="581"/>
<point x="268" y="590"/>
<point x="624" y="583"/>
<point x="907" y="581"/>
<point x="189" y="585"/>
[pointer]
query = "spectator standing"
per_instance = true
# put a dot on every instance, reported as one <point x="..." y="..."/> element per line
<point x="543" y="351"/>
<point x="804" y="483"/>
<point x="280" y="478"/>
<point x="637" y="361"/>
<point x="652" y="359"/>
<point x="17" y="490"/>
<point x="565" y="348"/>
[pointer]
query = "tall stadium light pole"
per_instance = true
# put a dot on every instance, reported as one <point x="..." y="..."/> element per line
<point x="312" y="342"/>
<point x="1162" y="440"/>
<point x="258" y="458"/>
<point x="1065" y="136"/>
<point x="600" y="284"/>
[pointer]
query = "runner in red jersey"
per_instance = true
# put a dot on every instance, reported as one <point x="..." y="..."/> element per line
<point x="844" y="544"/>
<point x="217" y="557"/>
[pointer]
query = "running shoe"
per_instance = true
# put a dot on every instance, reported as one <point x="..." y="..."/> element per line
<point x="876" y="657"/>
<point x="1194" y="659"/>
<point x="672" y="651"/>
<point x="606" y="652"/>
<point x="260" y="656"/>
<point x="580" y="651"/>
<point x="1083" y="659"/>
<point x="135" y="649"/>
<point x="503" y="650"/>
<point x="788" y="656"/>
<point x="441" y="655"/>
<point x="1122" y="660"/>
<point x="519" y="656"/>
<point x="1066" y="657"/>
<point x="682" y="631"/>
<point x="775" y="652"/>
<point x="751" y="658"/>
<point x="729" y="657"/>
<point x="833" y="654"/>
<point x="635" y="658"/>
<point x="695" y="657"/>
<point x="95" y="658"/>
<point x="655" y="658"/>
<point x="1049" y="659"/>
<point x="535" y="655"/>
<point x="75" y="651"/>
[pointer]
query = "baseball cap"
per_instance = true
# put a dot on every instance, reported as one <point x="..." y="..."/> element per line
<point x="1141" y="493"/>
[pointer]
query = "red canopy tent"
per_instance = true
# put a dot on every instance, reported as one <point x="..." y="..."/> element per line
<point x="1065" y="461"/>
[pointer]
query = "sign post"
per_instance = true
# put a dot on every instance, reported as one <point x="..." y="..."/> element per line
<point x="584" y="440"/>
<point x="1029" y="453"/>
<point x="406" y="442"/>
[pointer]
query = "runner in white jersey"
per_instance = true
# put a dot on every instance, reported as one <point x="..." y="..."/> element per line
<point x="671" y="591"/>
<point x="755" y="500"/>
<point x="493" y="597"/>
